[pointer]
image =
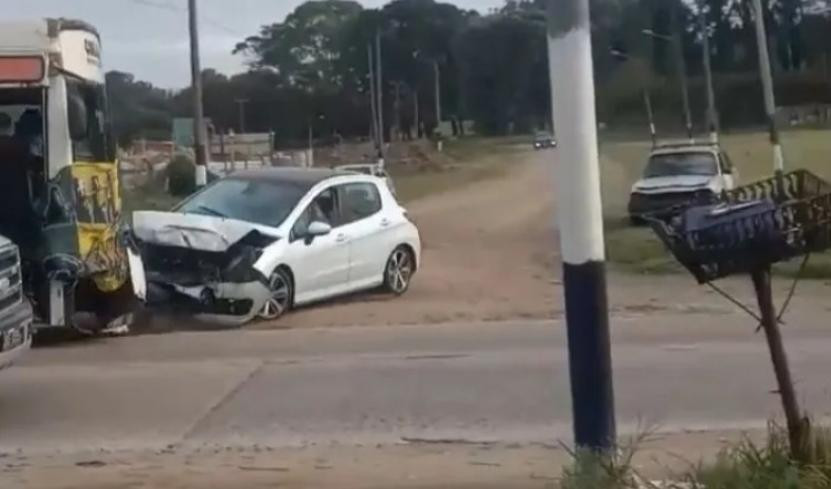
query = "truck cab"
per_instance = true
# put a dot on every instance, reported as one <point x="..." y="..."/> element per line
<point x="679" y="174"/>
<point x="58" y="174"/>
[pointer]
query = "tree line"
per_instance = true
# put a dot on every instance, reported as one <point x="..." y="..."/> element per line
<point x="311" y="69"/>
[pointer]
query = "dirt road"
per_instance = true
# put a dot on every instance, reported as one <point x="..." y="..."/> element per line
<point x="491" y="253"/>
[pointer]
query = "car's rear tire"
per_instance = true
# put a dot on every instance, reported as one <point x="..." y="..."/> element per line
<point x="399" y="270"/>
<point x="282" y="288"/>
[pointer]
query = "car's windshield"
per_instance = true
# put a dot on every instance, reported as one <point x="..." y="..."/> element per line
<point x="261" y="202"/>
<point x="678" y="164"/>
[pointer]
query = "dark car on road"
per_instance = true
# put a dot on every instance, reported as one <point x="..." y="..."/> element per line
<point x="543" y="140"/>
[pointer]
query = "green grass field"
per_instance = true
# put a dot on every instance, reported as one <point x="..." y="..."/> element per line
<point x="638" y="250"/>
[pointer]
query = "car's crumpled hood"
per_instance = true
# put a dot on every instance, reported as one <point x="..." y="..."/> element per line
<point x="194" y="231"/>
<point x="678" y="183"/>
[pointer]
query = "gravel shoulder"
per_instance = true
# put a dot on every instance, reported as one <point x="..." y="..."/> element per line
<point x="410" y="465"/>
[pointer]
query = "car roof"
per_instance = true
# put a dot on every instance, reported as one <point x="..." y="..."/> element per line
<point x="302" y="177"/>
<point x="685" y="148"/>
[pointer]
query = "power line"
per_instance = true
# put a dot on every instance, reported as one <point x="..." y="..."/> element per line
<point x="170" y="7"/>
<point x="160" y="5"/>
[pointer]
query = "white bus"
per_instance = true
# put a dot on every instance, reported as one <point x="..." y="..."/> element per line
<point x="58" y="174"/>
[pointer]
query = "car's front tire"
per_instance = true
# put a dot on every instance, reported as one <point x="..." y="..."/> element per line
<point x="399" y="270"/>
<point x="281" y="287"/>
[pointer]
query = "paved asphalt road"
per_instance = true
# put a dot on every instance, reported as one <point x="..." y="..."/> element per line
<point x="504" y="382"/>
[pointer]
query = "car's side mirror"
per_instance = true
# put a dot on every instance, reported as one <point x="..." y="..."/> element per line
<point x="726" y="169"/>
<point x="77" y="117"/>
<point x="319" y="228"/>
<point x="316" y="229"/>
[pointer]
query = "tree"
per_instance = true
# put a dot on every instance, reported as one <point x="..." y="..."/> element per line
<point x="138" y="109"/>
<point x="505" y="66"/>
<point x="816" y="28"/>
<point x="304" y="48"/>
<point x="493" y="66"/>
<point x="415" y="34"/>
<point x="418" y="34"/>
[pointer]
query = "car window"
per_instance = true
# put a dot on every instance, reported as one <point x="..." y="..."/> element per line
<point x="258" y="201"/>
<point x="360" y="200"/>
<point x="324" y="208"/>
<point x="681" y="164"/>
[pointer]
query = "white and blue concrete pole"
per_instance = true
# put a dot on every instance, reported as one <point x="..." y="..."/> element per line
<point x="580" y="222"/>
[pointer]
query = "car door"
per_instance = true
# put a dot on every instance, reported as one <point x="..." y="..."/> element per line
<point x="320" y="264"/>
<point x="369" y="231"/>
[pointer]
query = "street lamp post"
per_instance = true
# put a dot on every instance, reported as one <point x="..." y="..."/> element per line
<point x="712" y="113"/>
<point x="647" y="97"/>
<point x="436" y="68"/>
<point x="681" y="64"/>
<point x="767" y="85"/>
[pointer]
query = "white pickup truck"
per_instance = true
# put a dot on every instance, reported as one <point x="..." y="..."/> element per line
<point x="677" y="174"/>
<point x="15" y="311"/>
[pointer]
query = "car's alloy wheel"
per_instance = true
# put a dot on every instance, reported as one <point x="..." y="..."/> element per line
<point x="399" y="271"/>
<point x="280" y="300"/>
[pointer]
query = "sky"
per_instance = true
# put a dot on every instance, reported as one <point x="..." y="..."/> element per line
<point x="149" y="38"/>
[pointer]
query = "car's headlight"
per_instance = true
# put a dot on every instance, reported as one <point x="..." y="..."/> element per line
<point x="240" y="268"/>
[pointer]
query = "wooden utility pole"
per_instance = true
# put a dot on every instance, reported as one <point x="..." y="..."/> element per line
<point x="199" y="151"/>
<point x="416" y="115"/>
<point x="373" y="99"/>
<point x="437" y="80"/>
<point x="380" y="90"/>
<point x="241" y="102"/>
<point x="397" y="110"/>
<point x="712" y="112"/>
<point x="798" y="431"/>
<point x="798" y="427"/>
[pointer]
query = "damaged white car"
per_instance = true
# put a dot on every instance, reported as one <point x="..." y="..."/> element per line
<point x="260" y="242"/>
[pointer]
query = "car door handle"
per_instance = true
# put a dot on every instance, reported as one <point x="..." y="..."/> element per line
<point x="341" y="238"/>
<point x="385" y="222"/>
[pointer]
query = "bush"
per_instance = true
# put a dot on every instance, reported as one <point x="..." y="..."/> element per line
<point x="770" y="466"/>
<point x="181" y="176"/>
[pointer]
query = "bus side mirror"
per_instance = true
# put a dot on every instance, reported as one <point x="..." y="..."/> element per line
<point x="77" y="117"/>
